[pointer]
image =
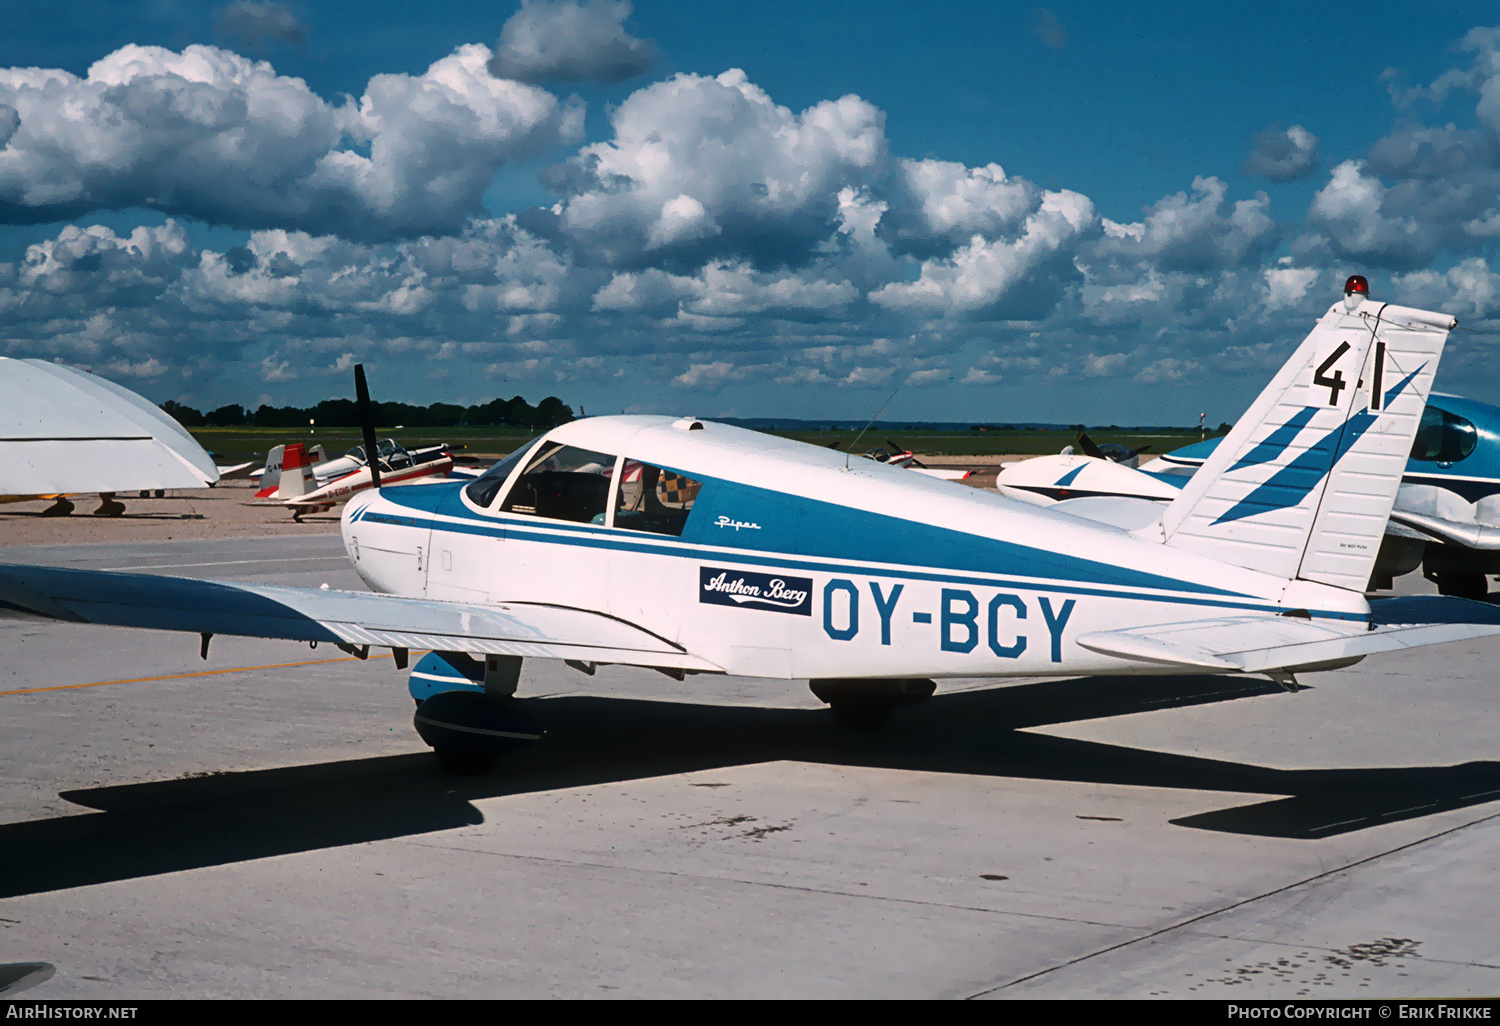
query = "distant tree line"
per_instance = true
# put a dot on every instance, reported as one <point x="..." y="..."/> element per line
<point x="516" y="412"/>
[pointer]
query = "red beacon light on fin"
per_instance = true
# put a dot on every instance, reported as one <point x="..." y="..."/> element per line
<point x="1356" y="291"/>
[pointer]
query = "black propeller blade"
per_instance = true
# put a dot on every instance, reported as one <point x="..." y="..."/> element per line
<point x="1089" y="448"/>
<point x="1120" y="455"/>
<point x="367" y="424"/>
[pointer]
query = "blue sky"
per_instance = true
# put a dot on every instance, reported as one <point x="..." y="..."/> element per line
<point x="1123" y="214"/>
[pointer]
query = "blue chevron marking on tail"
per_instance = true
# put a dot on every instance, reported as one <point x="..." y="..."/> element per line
<point x="1292" y="483"/>
<point x="1276" y="442"/>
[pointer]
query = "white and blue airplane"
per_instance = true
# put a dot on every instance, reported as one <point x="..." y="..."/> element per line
<point x="698" y="548"/>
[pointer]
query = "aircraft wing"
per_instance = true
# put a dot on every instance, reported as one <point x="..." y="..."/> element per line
<point x="525" y="629"/>
<point x="1256" y="644"/>
<point x="1469" y="535"/>
<point x="943" y="473"/>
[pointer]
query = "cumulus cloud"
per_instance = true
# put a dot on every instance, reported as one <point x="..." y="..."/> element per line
<point x="710" y="166"/>
<point x="253" y="23"/>
<point x="710" y="376"/>
<point x="1279" y="155"/>
<point x="722" y="289"/>
<point x="715" y="242"/>
<point x="1350" y="215"/>
<point x="207" y="133"/>
<point x="981" y="275"/>
<point x="954" y="202"/>
<point x="1196" y="232"/>
<point x="96" y="262"/>
<point x="567" y="41"/>
<point x="1286" y="285"/>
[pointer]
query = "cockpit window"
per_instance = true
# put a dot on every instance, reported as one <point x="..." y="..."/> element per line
<point x="483" y="489"/>
<point x="1443" y="437"/>
<point x="653" y="499"/>
<point x="562" y="482"/>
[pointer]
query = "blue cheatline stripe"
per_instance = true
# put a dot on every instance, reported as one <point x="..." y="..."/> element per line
<point x="630" y="541"/>
<point x="1295" y="481"/>
<point x="1067" y="478"/>
<point x="510" y="530"/>
<point x="789" y="526"/>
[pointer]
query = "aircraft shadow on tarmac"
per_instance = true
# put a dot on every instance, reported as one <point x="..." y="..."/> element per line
<point x="152" y="828"/>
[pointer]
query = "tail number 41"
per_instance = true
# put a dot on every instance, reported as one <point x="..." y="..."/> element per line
<point x="1335" y="382"/>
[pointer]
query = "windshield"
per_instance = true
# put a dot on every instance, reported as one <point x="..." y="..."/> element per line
<point x="563" y="482"/>
<point x="483" y="490"/>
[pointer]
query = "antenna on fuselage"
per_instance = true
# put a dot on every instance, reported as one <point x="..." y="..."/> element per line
<point x="867" y="426"/>
<point x="367" y="424"/>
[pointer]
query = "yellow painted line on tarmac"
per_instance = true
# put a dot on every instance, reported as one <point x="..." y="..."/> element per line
<point x="180" y="676"/>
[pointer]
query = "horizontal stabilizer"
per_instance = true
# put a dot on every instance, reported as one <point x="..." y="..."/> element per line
<point x="1469" y="535"/>
<point x="1257" y="644"/>
<point x="355" y="618"/>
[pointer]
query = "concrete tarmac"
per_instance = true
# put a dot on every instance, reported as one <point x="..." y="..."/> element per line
<point x="266" y="823"/>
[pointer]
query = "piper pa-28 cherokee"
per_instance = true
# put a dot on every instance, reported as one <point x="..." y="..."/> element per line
<point x="694" y="547"/>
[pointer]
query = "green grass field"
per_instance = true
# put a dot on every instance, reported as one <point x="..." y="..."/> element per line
<point x="249" y="442"/>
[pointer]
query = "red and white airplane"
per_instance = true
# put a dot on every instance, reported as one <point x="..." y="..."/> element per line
<point x="296" y="479"/>
<point x="900" y="456"/>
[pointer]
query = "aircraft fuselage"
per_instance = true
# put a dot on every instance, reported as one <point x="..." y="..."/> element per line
<point x="793" y="565"/>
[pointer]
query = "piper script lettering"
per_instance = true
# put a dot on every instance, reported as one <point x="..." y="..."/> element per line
<point x="737" y="524"/>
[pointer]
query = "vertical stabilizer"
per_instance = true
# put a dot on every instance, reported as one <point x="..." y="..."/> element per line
<point x="1304" y="484"/>
<point x="296" y="473"/>
<point x="270" y="478"/>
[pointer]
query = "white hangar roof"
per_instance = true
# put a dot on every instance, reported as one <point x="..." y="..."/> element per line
<point x="66" y="431"/>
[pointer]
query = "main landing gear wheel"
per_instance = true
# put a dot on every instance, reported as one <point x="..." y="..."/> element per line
<point x="470" y="730"/>
<point x="868" y="703"/>
<point x="60" y="507"/>
<point x="1469" y="586"/>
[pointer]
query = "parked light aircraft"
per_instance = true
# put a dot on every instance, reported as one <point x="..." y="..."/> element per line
<point x="733" y="552"/>
<point x="900" y="456"/>
<point x="1446" y="517"/>
<point x="301" y="481"/>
